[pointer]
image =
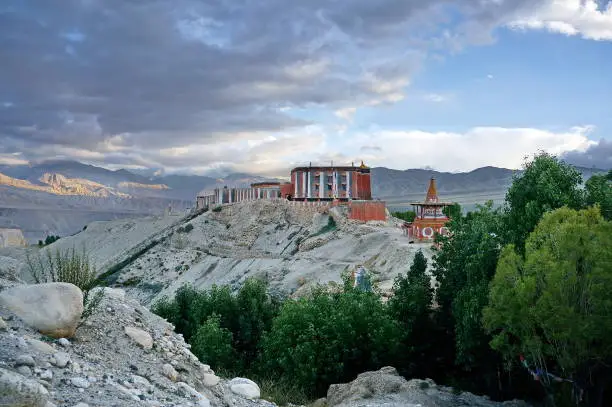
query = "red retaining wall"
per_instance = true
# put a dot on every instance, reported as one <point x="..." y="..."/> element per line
<point x="367" y="210"/>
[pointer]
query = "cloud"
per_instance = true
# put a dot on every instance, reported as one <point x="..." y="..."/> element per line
<point x="596" y="156"/>
<point x="477" y="147"/>
<point x="186" y="84"/>
<point x="437" y="98"/>
<point x="570" y="17"/>
<point x="346" y="113"/>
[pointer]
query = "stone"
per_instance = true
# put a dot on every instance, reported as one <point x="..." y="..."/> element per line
<point x="54" y="309"/>
<point x="386" y="387"/>
<point x="140" y="381"/>
<point x="210" y="380"/>
<point x="385" y="381"/>
<point x="139" y="336"/>
<point x="17" y="390"/>
<point x="24" y="360"/>
<point x="24" y="370"/>
<point x="3" y="325"/>
<point x="46" y="375"/>
<point x="64" y="342"/>
<point x="41" y="346"/>
<point x="80" y="382"/>
<point x="202" y="401"/>
<point x="245" y="388"/>
<point x="169" y="371"/>
<point x="60" y="359"/>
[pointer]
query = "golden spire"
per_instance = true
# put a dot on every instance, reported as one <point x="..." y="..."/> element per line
<point x="432" y="192"/>
<point x="363" y="165"/>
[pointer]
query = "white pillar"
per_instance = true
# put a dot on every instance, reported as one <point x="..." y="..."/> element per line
<point x="309" y="187"/>
<point x="334" y="184"/>
<point x="348" y="184"/>
<point x="304" y="184"/>
<point x="322" y="184"/>
<point x="295" y="180"/>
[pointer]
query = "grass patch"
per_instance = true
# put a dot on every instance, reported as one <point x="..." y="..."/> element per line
<point x="283" y="392"/>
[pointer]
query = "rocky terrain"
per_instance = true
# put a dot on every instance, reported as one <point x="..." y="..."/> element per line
<point x="121" y="355"/>
<point x="291" y="245"/>
<point x="386" y="387"/>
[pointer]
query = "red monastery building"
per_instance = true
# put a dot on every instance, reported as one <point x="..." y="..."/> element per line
<point x="429" y="218"/>
<point x="345" y="185"/>
<point x="330" y="183"/>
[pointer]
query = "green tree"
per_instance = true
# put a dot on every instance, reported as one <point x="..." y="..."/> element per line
<point x="256" y="310"/>
<point x="246" y="315"/>
<point x="554" y="304"/>
<point x="410" y="305"/>
<point x="213" y="344"/>
<point x="599" y="192"/>
<point x="452" y="211"/>
<point x="407" y="216"/>
<point x="545" y="184"/>
<point x="329" y="337"/>
<point x="463" y="266"/>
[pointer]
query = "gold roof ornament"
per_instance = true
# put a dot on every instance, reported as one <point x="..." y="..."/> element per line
<point x="363" y="165"/>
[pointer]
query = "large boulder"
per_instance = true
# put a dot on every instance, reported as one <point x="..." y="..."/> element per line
<point x="245" y="388"/>
<point x="386" y="387"/>
<point x="54" y="309"/>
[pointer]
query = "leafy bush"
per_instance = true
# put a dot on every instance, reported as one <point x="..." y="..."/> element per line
<point x="246" y="315"/>
<point x="330" y="337"/>
<point x="213" y="344"/>
<point x="188" y="228"/>
<point x="217" y="208"/>
<point x="48" y="240"/>
<point x="407" y="216"/>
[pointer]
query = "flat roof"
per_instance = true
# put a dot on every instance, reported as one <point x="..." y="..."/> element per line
<point x="431" y="203"/>
<point x="257" y="184"/>
<point x="330" y="168"/>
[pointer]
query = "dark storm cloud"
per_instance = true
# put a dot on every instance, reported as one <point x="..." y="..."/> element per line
<point x="159" y="73"/>
<point x="596" y="156"/>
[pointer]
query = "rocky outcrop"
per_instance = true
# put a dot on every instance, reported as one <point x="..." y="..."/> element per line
<point x="54" y="309"/>
<point x="386" y="387"/>
<point x="12" y="238"/>
<point x="104" y="366"/>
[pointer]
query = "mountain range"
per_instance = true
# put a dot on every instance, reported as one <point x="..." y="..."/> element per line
<point x="60" y="197"/>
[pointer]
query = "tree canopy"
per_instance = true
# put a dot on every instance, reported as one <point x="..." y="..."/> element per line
<point x="599" y="192"/>
<point x="545" y="184"/>
<point x="553" y="304"/>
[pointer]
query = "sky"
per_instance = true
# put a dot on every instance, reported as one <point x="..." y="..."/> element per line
<point x="260" y="86"/>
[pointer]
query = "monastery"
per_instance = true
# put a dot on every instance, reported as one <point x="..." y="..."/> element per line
<point x="337" y="185"/>
<point x="332" y="185"/>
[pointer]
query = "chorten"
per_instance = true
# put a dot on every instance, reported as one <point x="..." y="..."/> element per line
<point x="430" y="219"/>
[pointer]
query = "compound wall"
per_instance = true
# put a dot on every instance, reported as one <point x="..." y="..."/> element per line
<point x="367" y="210"/>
